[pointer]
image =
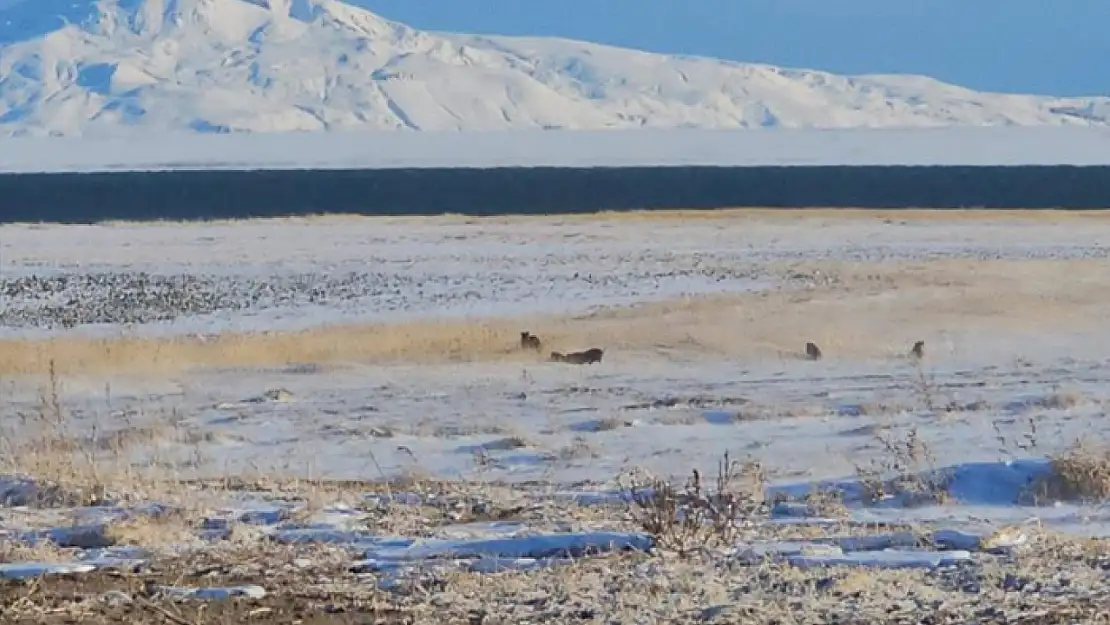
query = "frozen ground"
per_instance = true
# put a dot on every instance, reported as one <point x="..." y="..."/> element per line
<point x="963" y="145"/>
<point x="165" y="454"/>
<point x="294" y="274"/>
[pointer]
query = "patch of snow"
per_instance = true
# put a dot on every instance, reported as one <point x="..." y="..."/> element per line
<point x="891" y="558"/>
<point x="972" y="483"/>
<point x="540" y="546"/>
<point x="251" y="591"/>
<point x="25" y="570"/>
<point x="19" y="491"/>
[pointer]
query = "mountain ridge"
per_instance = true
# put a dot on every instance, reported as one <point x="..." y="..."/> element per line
<point x="323" y="65"/>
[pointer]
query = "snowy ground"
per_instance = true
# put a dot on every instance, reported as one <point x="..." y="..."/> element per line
<point x="972" y="145"/>
<point x="511" y="463"/>
<point x="453" y="267"/>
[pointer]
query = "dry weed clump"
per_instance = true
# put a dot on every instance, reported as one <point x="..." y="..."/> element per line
<point x="578" y="449"/>
<point x="906" y="470"/>
<point x="43" y="551"/>
<point x="694" y="518"/>
<point x="1063" y="399"/>
<point x="49" y="460"/>
<point x="41" y="448"/>
<point x="1079" y="473"/>
<point x="1025" y="442"/>
<point x="931" y="395"/>
<point x="826" y="502"/>
<point x="608" y="424"/>
<point x="152" y="531"/>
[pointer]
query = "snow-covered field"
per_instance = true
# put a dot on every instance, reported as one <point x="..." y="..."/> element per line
<point x="255" y="443"/>
<point x="949" y="146"/>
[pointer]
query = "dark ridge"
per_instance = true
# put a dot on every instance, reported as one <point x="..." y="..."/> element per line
<point x="199" y="195"/>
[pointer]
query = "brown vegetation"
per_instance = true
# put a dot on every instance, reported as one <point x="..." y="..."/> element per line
<point x="856" y="317"/>
<point x="686" y="215"/>
<point x="1080" y="473"/>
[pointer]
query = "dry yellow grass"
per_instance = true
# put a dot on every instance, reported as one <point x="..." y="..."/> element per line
<point x="802" y="214"/>
<point x="724" y="214"/>
<point x="151" y="531"/>
<point x="1081" y="472"/>
<point x="869" y="311"/>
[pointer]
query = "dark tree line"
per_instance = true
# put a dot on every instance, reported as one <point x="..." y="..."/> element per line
<point x="88" y="198"/>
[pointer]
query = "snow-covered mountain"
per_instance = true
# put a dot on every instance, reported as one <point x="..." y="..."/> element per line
<point x="109" y="67"/>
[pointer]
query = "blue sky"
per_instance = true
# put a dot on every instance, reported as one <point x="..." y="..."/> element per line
<point x="1028" y="46"/>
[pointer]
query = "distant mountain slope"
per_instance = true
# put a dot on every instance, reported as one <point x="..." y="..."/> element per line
<point x="104" y="67"/>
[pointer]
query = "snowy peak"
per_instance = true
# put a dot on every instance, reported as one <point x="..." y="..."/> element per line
<point x="29" y="19"/>
<point x="112" y="67"/>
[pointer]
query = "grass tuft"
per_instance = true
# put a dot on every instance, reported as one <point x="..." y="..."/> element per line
<point x="1080" y="473"/>
<point x="695" y="517"/>
<point x="906" y="471"/>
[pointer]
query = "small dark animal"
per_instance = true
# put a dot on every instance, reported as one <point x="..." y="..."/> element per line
<point x="530" y="341"/>
<point x="813" y="352"/>
<point x="589" y="356"/>
<point x="918" y="350"/>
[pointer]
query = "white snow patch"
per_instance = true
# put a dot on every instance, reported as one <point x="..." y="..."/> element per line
<point x="217" y="593"/>
<point x="25" y="570"/>
<point x="891" y="558"/>
<point x="156" y="150"/>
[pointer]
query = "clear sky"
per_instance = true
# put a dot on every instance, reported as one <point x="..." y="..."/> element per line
<point x="1026" y="46"/>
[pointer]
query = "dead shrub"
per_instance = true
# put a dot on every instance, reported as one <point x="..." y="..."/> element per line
<point x="1079" y="473"/>
<point x="827" y="502"/>
<point x="611" y="423"/>
<point x="906" y="471"/>
<point x="152" y="531"/>
<point x="579" y="448"/>
<point x="694" y="518"/>
<point x="1062" y="399"/>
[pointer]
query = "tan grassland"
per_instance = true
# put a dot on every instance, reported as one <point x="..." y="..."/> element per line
<point x="722" y="214"/>
<point x="867" y="311"/>
<point x="860" y="311"/>
<point x="824" y="214"/>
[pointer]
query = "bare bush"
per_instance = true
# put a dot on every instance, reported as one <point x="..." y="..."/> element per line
<point x="1079" y="473"/>
<point x="828" y="502"/>
<point x="1026" y="441"/>
<point x="906" y="471"/>
<point x="1062" y="399"/>
<point x="694" y="518"/>
<point x="925" y="387"/>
